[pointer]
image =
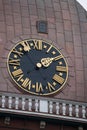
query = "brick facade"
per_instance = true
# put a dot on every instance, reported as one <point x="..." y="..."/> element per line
<point x="67" y="29"/>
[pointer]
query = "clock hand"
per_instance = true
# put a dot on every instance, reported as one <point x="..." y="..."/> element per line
<point x="47" y="61"/>
<point x="26" y="46"/>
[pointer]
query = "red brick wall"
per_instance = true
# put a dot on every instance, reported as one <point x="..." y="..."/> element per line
<point x="32" y="124"/>
<point x="67" y="28"/>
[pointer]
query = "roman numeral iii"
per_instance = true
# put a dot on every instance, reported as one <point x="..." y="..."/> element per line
<point x="61" y="68"/>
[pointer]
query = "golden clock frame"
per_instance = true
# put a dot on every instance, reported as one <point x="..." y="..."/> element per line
<point x="29" y="92"/>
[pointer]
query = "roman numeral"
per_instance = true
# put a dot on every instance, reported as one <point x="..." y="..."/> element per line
<point x="26" y="46"/>
<point x="14" y="62"/>
<point x="38" y="44"/>
<point x="58" y="79"/>
<point x="61" y="68"/>
<point x="17" y="73"/>
<point x="17" y="52"/>
<point x="50" y="87"/>
<point x="39" y="87"/>
<point x="27" y="83"/>
<point x="19" y="77"/>
<point x="49" y="48"/>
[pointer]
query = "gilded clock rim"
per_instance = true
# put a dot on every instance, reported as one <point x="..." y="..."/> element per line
<point x="25" y="90"/>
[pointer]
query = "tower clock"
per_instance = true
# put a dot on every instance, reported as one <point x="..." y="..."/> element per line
<point x="37" y="67"/>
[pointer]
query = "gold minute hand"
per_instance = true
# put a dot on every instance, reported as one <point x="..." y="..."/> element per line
<point x="47" y="61"/>
<point x="26" y="46"/>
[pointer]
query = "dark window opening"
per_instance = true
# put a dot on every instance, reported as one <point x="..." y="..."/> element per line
<point x="41" y="26"/>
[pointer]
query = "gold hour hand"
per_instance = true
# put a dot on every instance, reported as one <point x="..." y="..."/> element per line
<point x="57" y="57"/>
<point x="47" y="61"/>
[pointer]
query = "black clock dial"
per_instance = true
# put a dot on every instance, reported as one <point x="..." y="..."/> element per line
<point x="37" y="67"/>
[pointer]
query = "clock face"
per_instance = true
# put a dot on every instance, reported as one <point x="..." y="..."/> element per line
<point x="37" y="67"/>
